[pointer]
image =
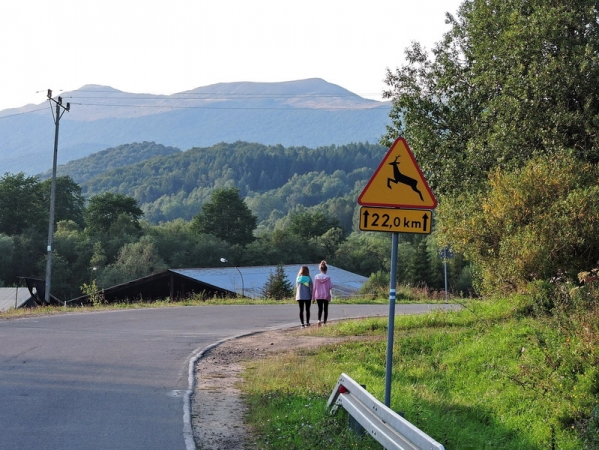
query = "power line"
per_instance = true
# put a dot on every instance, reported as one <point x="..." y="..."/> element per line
<point x="219" y="96"/>
<point x="23" y="113"/>
<point x="229" y="94"/>
<point x="289" y="108"/>
<point x="212" y="96"/>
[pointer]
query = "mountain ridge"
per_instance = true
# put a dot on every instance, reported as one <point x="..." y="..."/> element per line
<point x="308" y="113"/>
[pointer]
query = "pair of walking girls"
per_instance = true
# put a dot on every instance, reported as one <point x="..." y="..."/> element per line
<point x="308" y="291"/>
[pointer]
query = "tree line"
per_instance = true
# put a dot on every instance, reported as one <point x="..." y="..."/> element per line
<point x="107" y="240"/>
<point x="176" y="185"/>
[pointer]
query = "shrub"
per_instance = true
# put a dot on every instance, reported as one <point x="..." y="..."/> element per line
<point x="377" y="285"/>
<point x="529" y="224"/>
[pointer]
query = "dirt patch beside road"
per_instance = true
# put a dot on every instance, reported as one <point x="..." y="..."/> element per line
<point x="217" y="410"/>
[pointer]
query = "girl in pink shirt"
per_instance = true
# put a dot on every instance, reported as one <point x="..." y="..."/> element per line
<point x="322" y="292"/>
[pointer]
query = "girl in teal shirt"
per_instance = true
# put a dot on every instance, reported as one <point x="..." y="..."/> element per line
<point x="303" y="294"/>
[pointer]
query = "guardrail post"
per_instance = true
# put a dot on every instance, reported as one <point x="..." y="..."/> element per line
<point x="354" y="425"/>
<point x="378" y="420"/>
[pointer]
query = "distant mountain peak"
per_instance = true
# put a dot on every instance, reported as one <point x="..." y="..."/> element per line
<point x="298" y="87"/>
<point x="98" y="88"/>
<point x="101" y="87"/>
<point x="310" y="112"/>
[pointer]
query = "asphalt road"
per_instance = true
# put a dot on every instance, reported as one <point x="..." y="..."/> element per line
<point x="117" y="379"/>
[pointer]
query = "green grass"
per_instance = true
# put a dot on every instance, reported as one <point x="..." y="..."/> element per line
<point x="71" y="308"/>
<point x="490" y="376"/>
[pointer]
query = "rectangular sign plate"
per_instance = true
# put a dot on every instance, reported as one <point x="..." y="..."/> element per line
<point x="396" y="220"/>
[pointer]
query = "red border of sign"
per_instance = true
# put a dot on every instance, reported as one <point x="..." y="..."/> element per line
<point x="403" y="205"/>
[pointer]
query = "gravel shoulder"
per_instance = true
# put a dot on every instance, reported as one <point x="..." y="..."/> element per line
<point x="217" y="410"/>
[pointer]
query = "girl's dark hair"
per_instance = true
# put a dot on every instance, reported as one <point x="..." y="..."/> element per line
<point x="323" y="266"/>
<point x="304" y="271"/>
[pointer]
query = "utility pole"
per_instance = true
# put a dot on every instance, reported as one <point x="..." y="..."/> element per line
<point x="60" y="110"/>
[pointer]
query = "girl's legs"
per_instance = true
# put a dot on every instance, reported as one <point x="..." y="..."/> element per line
<point x="320" y="308"/>
<point x="308" y="302"/>
<point x="301" y="312"/>
<point x="325" y="305"/>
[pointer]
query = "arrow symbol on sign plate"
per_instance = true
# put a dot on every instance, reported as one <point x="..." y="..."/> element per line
<point x="425" y="219"/>
<point x="366" y="219"/>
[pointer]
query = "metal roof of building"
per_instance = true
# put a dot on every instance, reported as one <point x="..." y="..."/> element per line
<point x="251" y="280"/>
<point x="12" y="295"/>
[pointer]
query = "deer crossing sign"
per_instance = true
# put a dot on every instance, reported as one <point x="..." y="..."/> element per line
<point x="398" y="182"/>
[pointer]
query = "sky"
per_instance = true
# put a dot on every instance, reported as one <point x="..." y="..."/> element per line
<point x="165" y="47"/>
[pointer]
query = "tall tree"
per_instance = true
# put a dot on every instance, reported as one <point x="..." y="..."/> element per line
<point x="6" y="251"/>
<point x="227" y="217"/>
<point x="419" y="266"/>
<point x="311" y="224"/>
<point x="180" y="247"/>
<point x="135" y="260"/>
<point x="21" y="204"/>
<point x="105" y="209"/>
<point x="69" y="203"/>
<point x="510" y="79"/>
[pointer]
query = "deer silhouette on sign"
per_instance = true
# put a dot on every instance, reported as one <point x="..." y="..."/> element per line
<point x="399" y="177"/>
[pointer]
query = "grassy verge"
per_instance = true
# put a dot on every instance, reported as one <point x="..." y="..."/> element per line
<point x="406" y="296"/>
<point x="49" y="310"/>
<point x="490" y="376"/>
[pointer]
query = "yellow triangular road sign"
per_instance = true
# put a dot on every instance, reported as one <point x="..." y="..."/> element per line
<point x="398" y="182"/>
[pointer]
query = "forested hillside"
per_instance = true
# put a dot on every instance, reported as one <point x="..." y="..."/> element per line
<point x="273" y="178"/>
<point x="82" y="170"/>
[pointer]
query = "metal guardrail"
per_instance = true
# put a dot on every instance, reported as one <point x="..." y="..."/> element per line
<point x="383" y="424"/>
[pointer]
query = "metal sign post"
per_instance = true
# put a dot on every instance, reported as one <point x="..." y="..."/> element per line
<point x="445" y="254"/>
<point x="391" y="328"/>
